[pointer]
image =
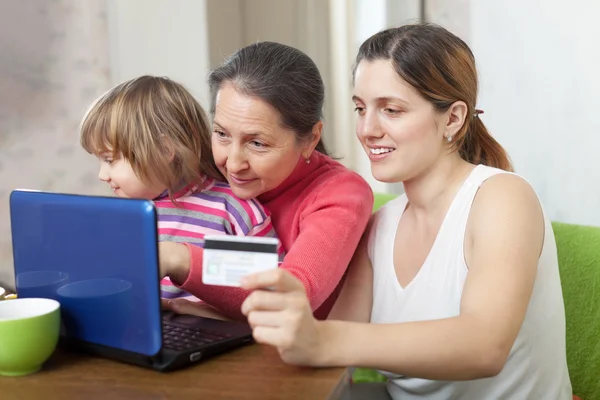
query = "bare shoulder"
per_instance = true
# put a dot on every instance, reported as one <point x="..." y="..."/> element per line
<point x="506" y="194"/>
<point x="507" y="209"/>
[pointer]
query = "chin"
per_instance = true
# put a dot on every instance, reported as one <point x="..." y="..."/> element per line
<point x="243" y="193"/>
<point x="381" y="175"/>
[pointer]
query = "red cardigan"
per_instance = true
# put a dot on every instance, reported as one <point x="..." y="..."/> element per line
<point x="319" y="212"/>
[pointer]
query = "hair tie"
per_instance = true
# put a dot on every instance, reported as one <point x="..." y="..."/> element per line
<point x="477" y="112"/>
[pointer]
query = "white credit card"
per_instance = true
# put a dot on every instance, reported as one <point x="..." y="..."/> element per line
<point x="227" y="259"/>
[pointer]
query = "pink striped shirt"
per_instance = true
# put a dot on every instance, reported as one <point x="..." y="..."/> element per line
<point x="208" y="208"/>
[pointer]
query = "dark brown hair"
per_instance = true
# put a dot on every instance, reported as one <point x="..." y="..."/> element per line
<point x="157" y="126"/>
<point x="441" y="67"/>
<point x="281" y="76"/>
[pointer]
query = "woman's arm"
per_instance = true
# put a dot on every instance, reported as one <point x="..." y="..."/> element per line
<point x="179" y="259"/>
<point x="330" y="229"/>
<point x="356" y="298"/>
<point x="503" y="244"/>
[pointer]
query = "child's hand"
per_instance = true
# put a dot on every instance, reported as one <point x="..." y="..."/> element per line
<point x="174" y="261"/>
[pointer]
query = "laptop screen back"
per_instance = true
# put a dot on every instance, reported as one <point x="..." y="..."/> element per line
<point x="98" y="257"/>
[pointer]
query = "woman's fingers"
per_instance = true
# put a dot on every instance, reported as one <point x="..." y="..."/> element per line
<point x="278" y="280"/>
<point x="267" y="335"/>
<point x="272" y="301"/>
<point x="295" y="346"/>
<point x="263" y="300"/>
<point x="271" y="319"/>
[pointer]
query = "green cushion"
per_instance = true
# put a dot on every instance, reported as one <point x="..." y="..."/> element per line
<point x="579" y="262"/>
<point x="381" y="199"/>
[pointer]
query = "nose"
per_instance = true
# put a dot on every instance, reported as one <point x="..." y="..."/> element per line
<point x="103" y="173"/>
<point x="369" y="126"/>
<point x="236" y="160"/>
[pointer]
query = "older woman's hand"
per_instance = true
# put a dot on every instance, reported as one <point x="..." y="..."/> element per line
<point x="197" y="308"/>
<point x="280" y="315"/>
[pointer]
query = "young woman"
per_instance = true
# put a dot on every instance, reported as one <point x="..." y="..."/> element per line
<point x="459" y="276"/>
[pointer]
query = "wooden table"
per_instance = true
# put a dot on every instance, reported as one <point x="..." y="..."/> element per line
<point x="250" y="372"/>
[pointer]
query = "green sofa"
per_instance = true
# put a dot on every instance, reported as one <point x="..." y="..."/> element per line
<point x="579" y="262"/>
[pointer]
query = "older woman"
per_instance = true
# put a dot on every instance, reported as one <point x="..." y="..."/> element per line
<point x="267" y="102"/>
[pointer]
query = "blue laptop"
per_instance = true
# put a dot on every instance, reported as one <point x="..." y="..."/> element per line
<point x="98" y="256"/>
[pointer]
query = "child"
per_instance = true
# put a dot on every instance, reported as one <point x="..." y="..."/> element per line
<point x="153" y="140"/>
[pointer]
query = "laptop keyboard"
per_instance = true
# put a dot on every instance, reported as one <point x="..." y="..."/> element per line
<point x="179" y="338"/>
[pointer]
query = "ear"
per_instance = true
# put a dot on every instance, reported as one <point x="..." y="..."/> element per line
<point x="315" y="136"/>
<point x="167" y="148"/>
<point x="455" y="118"/>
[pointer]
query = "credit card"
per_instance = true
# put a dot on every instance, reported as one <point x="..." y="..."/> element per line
<point x="227" y="259"/>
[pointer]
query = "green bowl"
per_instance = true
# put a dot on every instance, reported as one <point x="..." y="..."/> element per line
<point x="29" y="330"/>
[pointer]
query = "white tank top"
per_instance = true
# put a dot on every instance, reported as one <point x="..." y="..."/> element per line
<point x="537" y="365"/>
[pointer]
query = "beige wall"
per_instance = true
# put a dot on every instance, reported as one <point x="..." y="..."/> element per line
<point x="54" y="61"/>
<point x="160" y="37"/>
<point x="57" y="57"/>
<point x="454" y="15"/>
<point x="303" y="24"/>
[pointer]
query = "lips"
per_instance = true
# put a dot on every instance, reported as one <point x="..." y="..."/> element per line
<point x="379" y="153"/>
<point x="381" y="150"/>
<point x="240" y="181"/>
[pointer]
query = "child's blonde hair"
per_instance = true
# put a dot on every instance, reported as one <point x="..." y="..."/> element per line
<point x="157" y="126"/>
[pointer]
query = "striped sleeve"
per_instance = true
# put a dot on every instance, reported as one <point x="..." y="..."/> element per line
<point x="246" y="218"/>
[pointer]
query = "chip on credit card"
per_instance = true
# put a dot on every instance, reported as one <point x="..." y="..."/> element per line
<point x="227" y="259"/>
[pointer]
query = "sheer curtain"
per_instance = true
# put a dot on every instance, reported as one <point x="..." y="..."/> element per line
<point x="351" y="23"/>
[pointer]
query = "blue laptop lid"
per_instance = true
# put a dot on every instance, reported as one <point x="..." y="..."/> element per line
<point x="98" y="257"/>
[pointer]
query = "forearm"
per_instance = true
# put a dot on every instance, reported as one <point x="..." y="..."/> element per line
<point x="227" y="300"/>
<point x="321" y="254"/>
<point x="356" y="298"/>
<point x="448" y="349"/>
<point x="174" y="260"/>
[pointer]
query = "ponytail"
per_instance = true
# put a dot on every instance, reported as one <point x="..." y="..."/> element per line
<point x="477" y="146"/>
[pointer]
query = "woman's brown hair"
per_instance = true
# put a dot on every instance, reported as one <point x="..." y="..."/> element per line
<point x="442" y="68"/>
<point x="157" y="126"/>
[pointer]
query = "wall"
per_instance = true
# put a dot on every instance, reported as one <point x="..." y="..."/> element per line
<point x="538" y="64"/>
<point x="304" y="24"/>
<point x="53" y="61"/>
<point x="160" y="37"/>
<point x="56" y="58"/>
<point x="540" y="91"/>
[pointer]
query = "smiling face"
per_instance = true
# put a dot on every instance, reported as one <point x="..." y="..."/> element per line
<point x="250" y="146"/>
<point x="119" y="175"/>
<point x="399" y="130"/>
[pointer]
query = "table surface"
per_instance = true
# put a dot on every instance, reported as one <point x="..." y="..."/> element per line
<point x="250" y="372"/>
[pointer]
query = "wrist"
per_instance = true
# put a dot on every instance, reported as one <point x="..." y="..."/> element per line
<point x="331" y="349"/>
<point x="179" y="263"/>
